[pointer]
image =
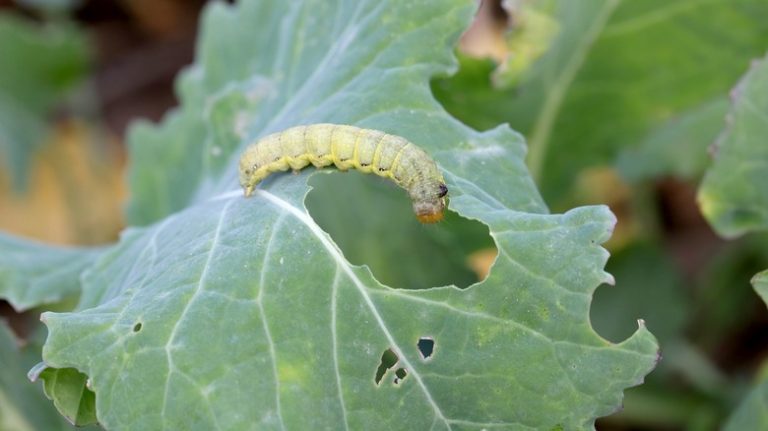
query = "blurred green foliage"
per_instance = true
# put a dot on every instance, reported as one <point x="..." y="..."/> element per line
<point x="615" y="72"/>
<point x="734" y="194"/>
<point x="50" y="6"/>
<point x="23" y="407"/>
<point x="734" y="198"/>
<point x="39" y="64"/>
<point x="33" y="274"/>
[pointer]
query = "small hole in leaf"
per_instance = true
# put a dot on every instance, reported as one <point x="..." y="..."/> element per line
<point x="400" y="375"/>
<point x="426" y="346"/>
<point x="388" y="360"/>
<point x="137" y="327"/>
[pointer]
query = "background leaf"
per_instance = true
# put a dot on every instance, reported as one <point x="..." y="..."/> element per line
<point x="760" y="282"/>
<point x="615" y="72"/>
<point x="676" y="148"/>
<point x="33" y="274"/>
<point x="248" y="314"/>
<point x="23" y="406"/>
<point x="51" y="6"/>
<point x="68" y="389"/>
<point x="664" y="306"/>
<point x="734" y="193"/>
<point x="39" y="64"/>
<point x="751" y="413"/>
<point x="734" y="196"/>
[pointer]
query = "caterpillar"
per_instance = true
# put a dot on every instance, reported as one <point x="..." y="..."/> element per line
<point x="349" y="147"/>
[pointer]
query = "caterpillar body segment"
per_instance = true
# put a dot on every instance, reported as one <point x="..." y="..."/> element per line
<point x="349" y="147"/>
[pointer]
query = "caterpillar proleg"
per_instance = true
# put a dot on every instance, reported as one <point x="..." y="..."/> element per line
<point x="349" y="147"/>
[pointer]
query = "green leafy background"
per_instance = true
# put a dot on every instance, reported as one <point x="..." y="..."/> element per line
<point x="32" y="274"/>
<point x="42" y="62"/>
<point x="23" y="406"/>
<point x="229" y="312"/>
<point x="734" y="195"/>
<point x="734" y="198"/>
<point x="615" y="71"/>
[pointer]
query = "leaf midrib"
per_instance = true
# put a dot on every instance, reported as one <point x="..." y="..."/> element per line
<point x="542" y="129"/>
<point x="341" y="263"/>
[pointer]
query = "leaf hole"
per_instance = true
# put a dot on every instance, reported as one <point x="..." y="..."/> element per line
<point x="388" y="360"/>
<point x="372" y="222"/>
<point x="426" y="347"/>
<point x="137" y="327"/>
<point x="400" y="375"/>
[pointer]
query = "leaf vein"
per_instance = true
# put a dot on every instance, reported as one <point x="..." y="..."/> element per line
<point x="264" y="323"/>
<point x="335" y="347"/>
<point x="200" y="285"/>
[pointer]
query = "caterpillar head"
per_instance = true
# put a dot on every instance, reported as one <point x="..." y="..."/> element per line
<point x="429" y="202"/>
<point x="247" y="173"/>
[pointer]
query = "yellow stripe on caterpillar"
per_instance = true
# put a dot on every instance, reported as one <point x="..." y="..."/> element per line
<point x="367" y="150"/>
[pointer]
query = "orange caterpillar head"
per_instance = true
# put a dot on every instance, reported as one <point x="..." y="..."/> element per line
<point x="430" y="218"/>
<point x="430" y="206"/>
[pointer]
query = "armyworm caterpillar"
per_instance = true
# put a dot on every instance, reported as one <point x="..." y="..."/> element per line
<point x="348" y="147"/>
